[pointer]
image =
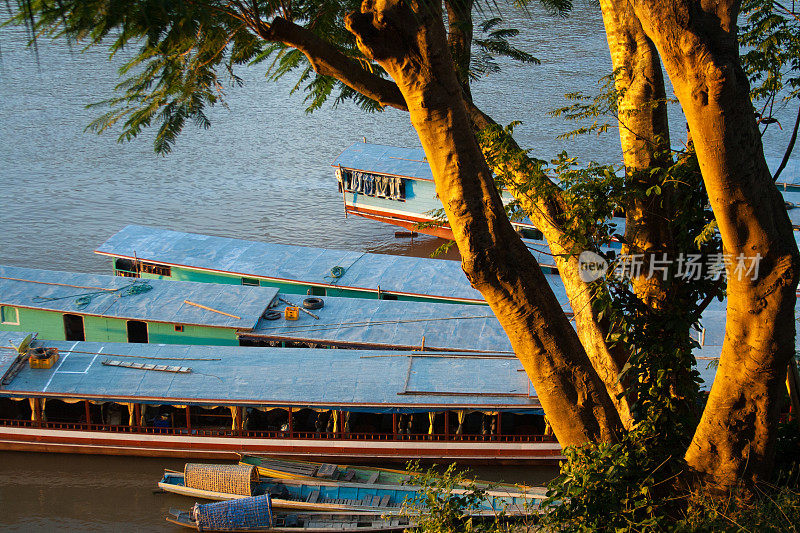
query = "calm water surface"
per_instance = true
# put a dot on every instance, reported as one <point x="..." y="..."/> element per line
<point x="261" y="172"/>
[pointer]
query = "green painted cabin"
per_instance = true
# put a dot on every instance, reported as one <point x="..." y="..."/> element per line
<point x="90" y="307"/>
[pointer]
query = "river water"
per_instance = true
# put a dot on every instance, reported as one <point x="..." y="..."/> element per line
<point x="261" y="172"/>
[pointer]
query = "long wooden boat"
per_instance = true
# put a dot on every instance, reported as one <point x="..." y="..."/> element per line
<point x="395" y="185"/>
<point x="255" y="514"/>
<point x="285" y="468"/>
<point x="228" y="482"/>
<point x="216" y="402"/>
<point x="145" y="252"/>
<point x="74" y="306"/>
<point x="303" y="495"/>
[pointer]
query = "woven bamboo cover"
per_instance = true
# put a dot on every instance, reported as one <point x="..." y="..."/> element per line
<point x="230" y="479"/>
<point x="235" y="515"/>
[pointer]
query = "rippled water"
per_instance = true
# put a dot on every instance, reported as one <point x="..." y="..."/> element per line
<point x="261" y="172"/>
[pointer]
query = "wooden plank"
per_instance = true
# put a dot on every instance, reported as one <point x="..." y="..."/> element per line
<point x="326" y="470"/>
<point x="143" y="366"/>
<point x="211" y="309"/>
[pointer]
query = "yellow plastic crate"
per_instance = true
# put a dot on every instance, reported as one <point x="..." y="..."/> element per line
<point x="42" y="357"/>
<point x="292" y="313"/>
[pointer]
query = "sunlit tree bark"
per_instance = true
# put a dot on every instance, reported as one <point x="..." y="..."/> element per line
<point x="697" y="42"/>
<point x="409" y="41"/>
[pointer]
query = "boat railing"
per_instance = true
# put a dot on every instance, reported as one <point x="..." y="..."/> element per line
<point x="303" y="435"/>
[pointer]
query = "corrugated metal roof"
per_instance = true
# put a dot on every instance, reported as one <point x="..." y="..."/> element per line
<point x="277" y="376"/>
<point x="382" y="159"/>
<point x="358" y="321"/>
<point x="164" y="302"/>
<point x="397" y="274"/>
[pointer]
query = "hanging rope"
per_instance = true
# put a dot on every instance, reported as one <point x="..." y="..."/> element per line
<point x="84" y="299"/>
<point x="338" y="271"/>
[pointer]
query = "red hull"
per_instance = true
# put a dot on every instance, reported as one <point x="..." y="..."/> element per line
<point x="404" y="221"/>
<point x="155" y="445"/>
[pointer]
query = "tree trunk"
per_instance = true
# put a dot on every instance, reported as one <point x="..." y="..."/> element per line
<point x="697" y="42"/>
<point x="548" y="213"/>
<point x="408" y="40"/>
<point x="644" y="136"/>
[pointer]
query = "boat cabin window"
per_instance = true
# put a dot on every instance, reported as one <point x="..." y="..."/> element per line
<point x="15" y="409"/>
<point x="9" y="315"/>
<point x="73" y="411"/>
<point x="125" y="267"/>
<point x="385" y="296"/>
<point x="213" y="418"/>
<point x="252" y="282"/>
<point x="152" y="268"/>
<point x="179" y="328"/>
<point x="137" y="331"/>
<point x="270" y="420"/>
<point x="531" y="233"/>
<point x="73" y="328"/>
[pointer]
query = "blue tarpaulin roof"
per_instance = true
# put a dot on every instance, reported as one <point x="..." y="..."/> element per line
<point x="368" y="271"/>
<point x="386" y="323"/>
<point x="64" y="292"/>
<point x="366" y="380"/>
<point x="386" y="160"/>
<point x="358" y="379"/>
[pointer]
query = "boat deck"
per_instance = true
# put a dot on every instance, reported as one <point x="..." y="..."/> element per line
<point x="366" y="380"/>
<point x="383" y="324"/>
<point x="127" y="298"/>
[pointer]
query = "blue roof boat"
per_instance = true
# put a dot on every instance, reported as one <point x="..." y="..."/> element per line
<point x="395" y="185"/>
<point x="151" y="252"/>
<point x="220" y="401"/>
<point x="74" y="306"/>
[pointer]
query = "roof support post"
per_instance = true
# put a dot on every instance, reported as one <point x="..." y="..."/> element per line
<point x="88" y="412"/>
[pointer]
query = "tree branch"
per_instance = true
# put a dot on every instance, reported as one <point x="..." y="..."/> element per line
<point x="328" y="61"/>
<point x="789" y="148"/>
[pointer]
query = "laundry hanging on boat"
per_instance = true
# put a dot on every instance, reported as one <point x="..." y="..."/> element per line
<point x="371" y="184"/>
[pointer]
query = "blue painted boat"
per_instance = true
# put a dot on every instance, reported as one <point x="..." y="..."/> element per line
<point x="228" y="482"/>
<point x="75" y="306"/>
<point x="255" y="514"/>
<point x="215" y="402"/>
<point x="146" y="252"/>
<point x="395" y="185"/>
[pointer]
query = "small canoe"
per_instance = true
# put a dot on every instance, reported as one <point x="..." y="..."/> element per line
<point x="228" y="482"/>
<point x="322" y="496"/>
<point x="256" y="514"/>
<point x="282" y="468"/>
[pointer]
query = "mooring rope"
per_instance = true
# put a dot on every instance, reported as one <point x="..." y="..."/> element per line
<point x="84" y="299"/>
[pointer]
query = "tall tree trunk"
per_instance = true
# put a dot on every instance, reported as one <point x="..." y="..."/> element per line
<point x="408" y="40"/>
<point x="548" y="212"/>
<point x="545" y="209"/>
<point x="644" y="136"/>
<point x="698" y="44"/>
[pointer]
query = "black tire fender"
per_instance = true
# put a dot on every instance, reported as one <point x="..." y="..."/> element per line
<point x="313" y="303"/>
<point x="271" y="314"/>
